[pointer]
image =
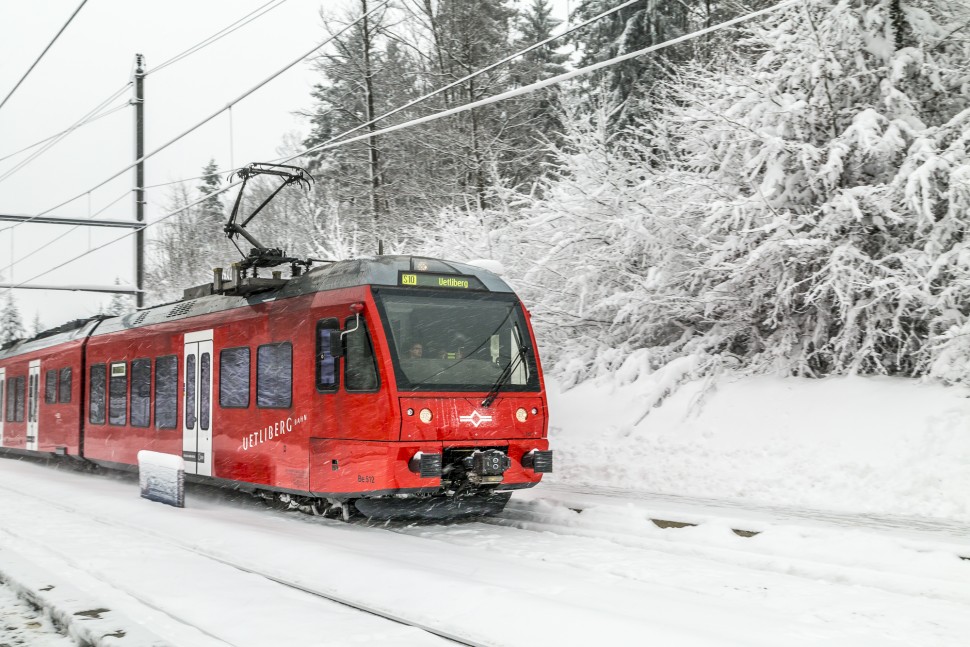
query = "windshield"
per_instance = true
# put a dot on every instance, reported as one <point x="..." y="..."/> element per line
<point x="456" y="341"/>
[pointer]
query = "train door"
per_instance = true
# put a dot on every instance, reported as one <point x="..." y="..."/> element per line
<point x="3" y="401"/>
<point x="33" y="403"/>
<point x="197" y="403"/>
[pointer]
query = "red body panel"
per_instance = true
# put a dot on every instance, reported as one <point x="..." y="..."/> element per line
<point x="328" y="443"/>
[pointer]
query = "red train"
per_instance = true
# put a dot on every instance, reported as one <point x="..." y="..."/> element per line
<point x="389" y="386"/>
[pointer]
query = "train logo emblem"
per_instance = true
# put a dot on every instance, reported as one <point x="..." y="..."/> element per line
<point x="476" y="419"/>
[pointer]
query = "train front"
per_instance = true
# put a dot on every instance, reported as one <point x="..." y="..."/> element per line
<point x="469" y="386"/>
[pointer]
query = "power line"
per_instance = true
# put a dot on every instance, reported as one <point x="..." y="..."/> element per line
<point x="31" y="69"/>
<point x="67" y="130"/>
<point x="538" y="85"/>
<point x="438" y="91"/>
<point x="222" y="33"/>
<point x="54" y="141"/>
<point x="225" y="31"/>
<point x="468" y="106"/>
<point x="210" y="117"/>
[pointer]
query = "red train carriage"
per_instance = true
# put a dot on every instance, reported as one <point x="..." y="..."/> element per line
<point x="399" y="385"/>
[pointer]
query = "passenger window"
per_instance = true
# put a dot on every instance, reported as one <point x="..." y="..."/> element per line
<point x="11" y="397"/>
<point x="96" y="400"/>
<point x="190" y="392"/>
<point x="327" y="366"/>
<point x="118" y="394"/>
<point x="21" y="391"/>
<point x="274" y="376"/>
<point x="141" y="391"/>
<point x="205" y="390"/>
<point x="64" y="386"/>
<point x="360" y="369"/>
<point x="50" y="387"/>
<point x="234" y="378"/>
<point x="166" y="392"/>
<point x="34" y="381"/>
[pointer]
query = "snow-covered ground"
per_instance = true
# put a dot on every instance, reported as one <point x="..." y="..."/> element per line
<point x="576" y="561"/>
<point x="887" y="446"/>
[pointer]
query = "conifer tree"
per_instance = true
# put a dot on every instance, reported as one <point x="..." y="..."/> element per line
<point x="11" y="324"/>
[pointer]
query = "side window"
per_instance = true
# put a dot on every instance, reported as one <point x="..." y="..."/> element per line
<point x="141" y="391"/>
<point x="190" y="391"/>
<point x="18" y="413"/>
<point x="50" y="386"/>
<point x="166" y="392"/>
<point x="64" y="386"/>
<point x="274" y="376"/>
<point x="327" y="366"/>
<point x="360" y="369"/>
<point x="118" y="394"/>
<point x="234" y="378"/>
<point x="96" y="403"/>
<point x="11" y="397"/>
<point x="205" y="390"/>
<point x="34" y="401"/>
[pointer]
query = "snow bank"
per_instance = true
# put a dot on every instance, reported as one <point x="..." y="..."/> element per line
<point x="77" y="613"/>
<point x="852" y="444"/>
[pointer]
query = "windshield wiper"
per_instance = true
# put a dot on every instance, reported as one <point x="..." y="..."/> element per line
<point x="506" y="372"/>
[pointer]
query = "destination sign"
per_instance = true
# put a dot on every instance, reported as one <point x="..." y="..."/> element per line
<point x="430" y="280"/>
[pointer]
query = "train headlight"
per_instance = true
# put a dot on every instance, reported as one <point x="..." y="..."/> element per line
<point x="425" y="415"/>
<point x="521" y="415"/>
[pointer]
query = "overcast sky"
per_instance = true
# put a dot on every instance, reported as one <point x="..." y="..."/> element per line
<point x="93" y="59"/>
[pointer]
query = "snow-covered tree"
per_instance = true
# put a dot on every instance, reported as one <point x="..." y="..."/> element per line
<point x="828" y="182"/>
<point x="11" y="325"/>
<point x="120" y="303"/>
<point x="797" y="206"/>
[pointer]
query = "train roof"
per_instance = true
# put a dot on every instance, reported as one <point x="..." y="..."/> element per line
<point x="375" y="270"/>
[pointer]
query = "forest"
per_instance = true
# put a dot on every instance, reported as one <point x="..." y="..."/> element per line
<point x="788" y="195"/>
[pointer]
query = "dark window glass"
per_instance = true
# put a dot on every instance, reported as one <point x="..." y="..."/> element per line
<point x="205" y="391"/>
<point x="33" y="385"/>
<point x="118" y="394"/>
<point x="64" y="386"/>
<point x="328" y="366"/>
<point x="11" y="397"/>
<point x="457" y="341"/>
<point x="141" y="392"/>
<point x="190" y="392"/>
<point x="166" y="392"/>
<point x="96" y="403"/>
<point x="50" y="386"/>
<point x="274" y="375"/>
<point x="360" y="371"/>
<point x="234" y="378"/>
<point x="18" y="414"/>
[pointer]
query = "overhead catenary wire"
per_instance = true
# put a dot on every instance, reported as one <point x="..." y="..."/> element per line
<point x="437" y="91"/>
<point x="469" y="106"/>
<point x="49" y="45"/>
<point x="96" y="117"/>
<point x="222" y="33"/>
<point x="538" y="85"/>
<point x="65" y="233"/>
<point x="87" y="118"/>
<point x="410" y="104"/>
<point x="225" y="31"/>
<point x="207" y="119"/>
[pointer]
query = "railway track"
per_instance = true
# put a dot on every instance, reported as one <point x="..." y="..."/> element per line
<point x="585" y="571"/>
<point x="447" y="636"/>
<point x="641" y="535"/>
